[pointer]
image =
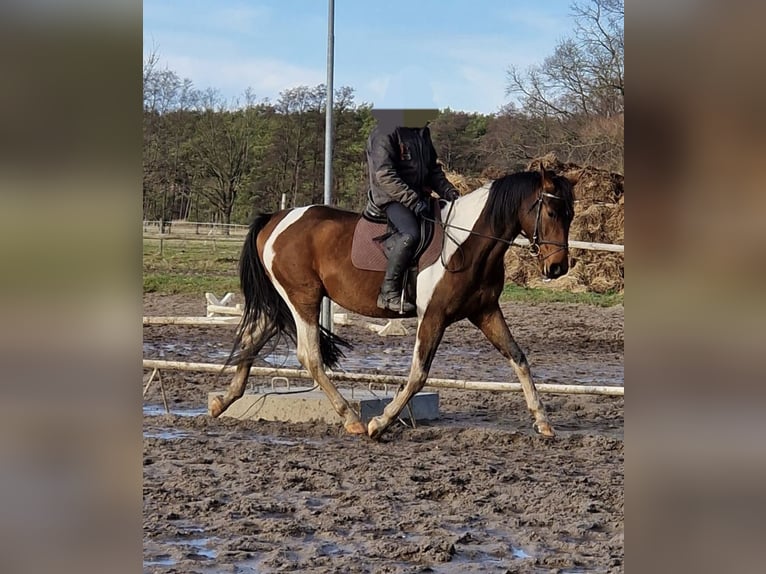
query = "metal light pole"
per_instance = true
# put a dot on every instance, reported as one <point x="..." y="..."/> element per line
<point x="326" y="315"/>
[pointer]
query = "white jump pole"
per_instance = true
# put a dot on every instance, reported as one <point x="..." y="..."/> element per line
<point x="161" y="320"/>
<point x="393" y="380"/>
<point x="588" y="245"/>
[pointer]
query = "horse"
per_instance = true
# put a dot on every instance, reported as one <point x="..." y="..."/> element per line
<point x="293" y="258"/>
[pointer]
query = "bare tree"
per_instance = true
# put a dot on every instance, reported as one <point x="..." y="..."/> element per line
<point x="585" y="74"/>
<point x="578" y="92"/>
<point x="223" y="148"/>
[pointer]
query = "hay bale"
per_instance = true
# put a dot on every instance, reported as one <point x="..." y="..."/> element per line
<point x="600" y="272"/>
<point x="598" y="185"/>
<point x="492" y="172"/>
<point x="520" y="266"/>
<point x="552" y="163"/>
<point x="570" y="282"/>
<point x="594" y="184"/>
<point x="463" y="183"/>
<point x="597" y="272"/>
<point x="615" y="224"/>
<point x="599" y="222"/>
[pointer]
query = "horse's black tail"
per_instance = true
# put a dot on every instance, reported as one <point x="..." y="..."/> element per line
<point x="265" y="314"/>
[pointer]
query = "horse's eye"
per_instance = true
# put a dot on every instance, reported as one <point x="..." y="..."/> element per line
<point x="552" y="214"/>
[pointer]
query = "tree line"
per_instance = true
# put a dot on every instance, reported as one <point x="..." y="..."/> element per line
<point x="206" y="159"/>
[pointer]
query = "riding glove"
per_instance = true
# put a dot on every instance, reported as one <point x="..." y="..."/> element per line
<point x="451" y="195"/>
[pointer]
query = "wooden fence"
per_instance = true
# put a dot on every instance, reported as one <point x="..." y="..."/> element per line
<point x="573" y="244"/>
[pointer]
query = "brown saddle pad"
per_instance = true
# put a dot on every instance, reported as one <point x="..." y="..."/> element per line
<point x="368" y="254"/>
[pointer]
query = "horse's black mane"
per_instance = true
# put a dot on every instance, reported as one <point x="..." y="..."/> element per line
<point x="507" y="193"/>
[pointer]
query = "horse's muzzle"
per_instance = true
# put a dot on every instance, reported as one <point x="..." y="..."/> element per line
<point x="555" y="270"/>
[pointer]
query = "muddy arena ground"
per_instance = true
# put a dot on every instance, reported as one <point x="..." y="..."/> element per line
<point x="475" y="491"/>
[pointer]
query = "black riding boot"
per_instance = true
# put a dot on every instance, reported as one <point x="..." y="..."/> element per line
<point x="398" y="261"/>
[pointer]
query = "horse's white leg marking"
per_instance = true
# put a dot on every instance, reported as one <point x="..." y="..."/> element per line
<point x="307" y="333"/>
<point x="426" y="341"/>
<point x="496" y="330"/>
<point x="542" y="424"/>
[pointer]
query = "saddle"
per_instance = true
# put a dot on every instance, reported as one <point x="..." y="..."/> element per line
<point x="369" y="250"/>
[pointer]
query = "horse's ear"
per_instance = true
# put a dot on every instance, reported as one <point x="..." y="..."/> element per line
<point x="548" y="186"/>
<point x="573" y="176"/>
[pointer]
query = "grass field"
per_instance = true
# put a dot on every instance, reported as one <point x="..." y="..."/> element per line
<point x="191" y="266"/>
<point x="212" y="266"/>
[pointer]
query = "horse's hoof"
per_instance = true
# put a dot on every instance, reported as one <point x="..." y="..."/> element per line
<point x="375" y="428"/>
<point x="355" y="427"/>
<point x="216" y="406"/>
<point x="544" y="428"/>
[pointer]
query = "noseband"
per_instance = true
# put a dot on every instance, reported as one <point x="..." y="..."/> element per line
<point x="536" y="241"/>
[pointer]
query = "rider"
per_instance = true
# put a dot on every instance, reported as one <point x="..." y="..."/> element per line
<point x="403" y="170"/>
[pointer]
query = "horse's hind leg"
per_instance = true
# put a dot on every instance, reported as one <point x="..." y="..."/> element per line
<point x="237" y="386"/>
<point x="309" y="354"/>
<point x="494" y="327"/>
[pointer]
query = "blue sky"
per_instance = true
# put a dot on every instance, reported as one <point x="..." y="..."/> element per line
<point x="394" y="53"/>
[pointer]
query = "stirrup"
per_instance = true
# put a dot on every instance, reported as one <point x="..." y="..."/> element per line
<point x="396" y="304"/>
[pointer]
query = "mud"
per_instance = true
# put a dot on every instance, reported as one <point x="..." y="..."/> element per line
<point x="475" y="491"/>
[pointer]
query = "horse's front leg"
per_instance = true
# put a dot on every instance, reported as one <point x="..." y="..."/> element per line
<point x="493" y="325"/>
<point x="427" y="339"/>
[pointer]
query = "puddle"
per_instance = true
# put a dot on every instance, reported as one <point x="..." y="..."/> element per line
<point x="198" y="547"/>
<point x="461" y="560"/>
<point x="281" y="357"/>
<point x="474" y="556"/>
<point x="482" y="546"/>
<point x="586" y="373"/>
<point x="283" y="360"/>
<point x="166" y="435"/>
<point x="161" y="560"/>
<point x="519" y="553"/>
<point x="156" y="410"/>
<point x="251" y="566"/>
<point x="389" y="363"/>
<point x="176" y="349"/>
<point x="335" y="549"/>
<point x="279" y="441"/>
<point x="287" y="442"/>
<point x="185" y="549"/>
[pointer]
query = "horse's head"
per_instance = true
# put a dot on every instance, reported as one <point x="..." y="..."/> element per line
<point x="545" y="217"/>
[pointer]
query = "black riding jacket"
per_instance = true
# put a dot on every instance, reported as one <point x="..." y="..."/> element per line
<point x="403" y="167"/>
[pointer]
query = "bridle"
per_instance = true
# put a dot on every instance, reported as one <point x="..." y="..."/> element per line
<point x="536" y="241"/>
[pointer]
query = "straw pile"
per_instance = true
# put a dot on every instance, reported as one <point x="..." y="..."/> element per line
<point x="465" y="184"/>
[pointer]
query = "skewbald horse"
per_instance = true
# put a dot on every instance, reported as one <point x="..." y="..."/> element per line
<point x="293" y="258"/>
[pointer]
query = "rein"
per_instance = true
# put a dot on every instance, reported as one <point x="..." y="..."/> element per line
<point x="534" y="243"/>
